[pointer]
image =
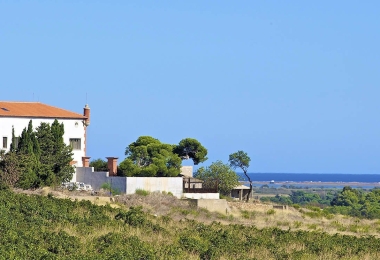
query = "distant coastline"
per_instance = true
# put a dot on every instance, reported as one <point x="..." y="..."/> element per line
<point x="315" y="179"/>
<point x="311" y="184"/>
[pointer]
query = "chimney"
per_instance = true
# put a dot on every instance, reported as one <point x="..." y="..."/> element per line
<point x="112" y="165"/>
<point x="86" y="113"/>
<point x="86" y="161"/>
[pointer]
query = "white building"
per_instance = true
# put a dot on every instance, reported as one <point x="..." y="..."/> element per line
<point x="18" y="114"/>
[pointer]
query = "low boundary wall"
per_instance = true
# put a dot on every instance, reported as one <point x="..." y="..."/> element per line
<point x="128" y="185"/>
<point x="155" y="184"/>
<point x="201" y="195"/>
<point x="217" y="205"/>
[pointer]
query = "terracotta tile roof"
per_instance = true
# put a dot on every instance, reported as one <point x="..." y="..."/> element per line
<point x="35" y="110"/>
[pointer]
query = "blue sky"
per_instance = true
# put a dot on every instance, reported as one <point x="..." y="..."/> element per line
<point x="295" y="84"/>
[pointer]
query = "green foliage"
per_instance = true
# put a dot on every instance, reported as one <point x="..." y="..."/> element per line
<point x="148" y="157"/>
<point x="312" y="226"/>
<point x="121" y="246"/>
<point x="135" y="217"/>
<point x="41" y="156"/>
<point x="248" y="214"/>
<point x="241" y="160"/>
<point x="218" y="174"/>
<point x="357" y="203"/>
<point x="349" y="201"/>
<point x="303" y="198"/>
<point x="142" y="192"/>
<point x="296" y="206"/>
<point x="300" y="197"/>
<point x="107" y="186"/>
<point x="271" y="212"/>
<point x="190" y="148"/>
<point x="99" y="165"/>
<point x="34" y="227"/>
<point x="297" y="224"/>
<point x="285" y="200"/>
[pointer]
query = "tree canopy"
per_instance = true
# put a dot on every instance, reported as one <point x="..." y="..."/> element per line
<point x="99" y="165"/>
<point x="39" y="158"/>
<point x="241" y="160"/>
<point x="147" y="156"/>
<point x="190" y="148"/>
<point x="219" y="174"/>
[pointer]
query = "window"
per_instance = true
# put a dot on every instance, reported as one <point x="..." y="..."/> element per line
<point x="5" y="142"/>
<point x="75" y="143"/>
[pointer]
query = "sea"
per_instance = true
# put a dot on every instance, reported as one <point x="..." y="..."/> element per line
<point x="332" y="180"/>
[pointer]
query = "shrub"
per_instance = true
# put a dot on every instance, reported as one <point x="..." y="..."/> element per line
<point x="297" y="224"/>
<point x="283" y="223"/>
<point x="142" y="192"/>
<point x="107" y="186"/>
<point x="271" y="212"/>
<point x="296" y="206"/>
<point x="312" y="226"/>
<point x="245" y="214"/>
<point x="135" y="217"/>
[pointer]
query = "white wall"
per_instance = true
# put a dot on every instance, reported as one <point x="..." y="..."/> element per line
<point x="87" y="175"/>
<point x="129" y="185"/>
<point x="206" y="196"/>
<point x="156" y="184"/>
<point x="72" y="130"/>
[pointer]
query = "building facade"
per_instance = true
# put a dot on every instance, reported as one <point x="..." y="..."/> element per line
<point x="16" y="115"/>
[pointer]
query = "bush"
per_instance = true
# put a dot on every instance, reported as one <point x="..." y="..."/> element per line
<point x="142" y="192"/>
<point x="296" y="206"/>
<point x="245" y="214"/>
<point x="297" y="224"/>
<point x="107" y="186"/>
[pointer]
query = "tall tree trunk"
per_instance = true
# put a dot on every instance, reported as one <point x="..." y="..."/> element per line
<point x="250" y="185"/>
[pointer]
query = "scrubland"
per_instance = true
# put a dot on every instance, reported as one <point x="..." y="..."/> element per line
<point x="159" y="226"/>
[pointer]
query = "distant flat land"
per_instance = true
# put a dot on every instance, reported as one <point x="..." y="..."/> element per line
<point x="313" y="183"/>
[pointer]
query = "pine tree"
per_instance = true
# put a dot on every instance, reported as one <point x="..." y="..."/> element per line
<point x="43" y="155"/>
<point x="13" y="144"/>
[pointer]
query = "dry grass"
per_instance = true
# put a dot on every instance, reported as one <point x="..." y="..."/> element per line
<point x="296" y="219"/>
<point x="251" y="213"/>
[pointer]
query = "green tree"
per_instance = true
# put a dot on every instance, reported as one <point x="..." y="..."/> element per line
<point x="219" y="174"/>
<point x="57" y="154"/>
<point x="13" y="147"/>
<point x="241" y="160"/>
<point x="10" y="171"/>
<point x="303" y="198"/>
<point x="347" y="197"/>
<point x="190" y="148"/>
<point x="43" y="157"/>
<point x="149" y="157"/>
<point x="99" y="165"/>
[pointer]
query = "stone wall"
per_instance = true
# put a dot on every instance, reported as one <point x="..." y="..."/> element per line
<point x="217" y="205"/>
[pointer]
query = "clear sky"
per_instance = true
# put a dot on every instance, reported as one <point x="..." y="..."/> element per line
<point x="295" y="84"/>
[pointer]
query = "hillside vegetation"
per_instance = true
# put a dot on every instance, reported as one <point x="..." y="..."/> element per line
<point x="44" y="227"/>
